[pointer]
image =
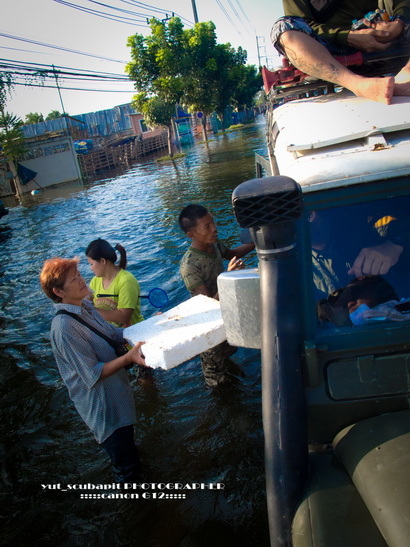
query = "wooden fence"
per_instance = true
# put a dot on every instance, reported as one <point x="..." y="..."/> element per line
<point x="122" y="155"/>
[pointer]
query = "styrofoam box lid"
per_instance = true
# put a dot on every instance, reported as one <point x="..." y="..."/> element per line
<point x="179" y="334"/>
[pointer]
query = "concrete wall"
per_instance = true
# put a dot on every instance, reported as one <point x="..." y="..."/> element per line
<point x="136" y="126"/>
<point x="54" y="160"/>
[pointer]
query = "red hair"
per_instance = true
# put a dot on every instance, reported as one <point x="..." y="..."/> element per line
<point x="54" y="273"/>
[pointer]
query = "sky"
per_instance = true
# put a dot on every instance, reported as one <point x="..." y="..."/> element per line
<point x="97" y="42"/>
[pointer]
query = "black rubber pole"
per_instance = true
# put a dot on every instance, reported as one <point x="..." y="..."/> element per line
<point x="270" y="208"/>
<point x="283" y="407"/>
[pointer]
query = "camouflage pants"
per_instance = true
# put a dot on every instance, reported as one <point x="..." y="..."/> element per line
<point x="213" y="363"/>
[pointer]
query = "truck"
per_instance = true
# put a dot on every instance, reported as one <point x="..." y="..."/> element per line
<point x="330" y="300"/>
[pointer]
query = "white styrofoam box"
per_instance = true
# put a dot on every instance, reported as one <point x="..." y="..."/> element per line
<point x="239" y="295"/>
<point x="179" y="334"/>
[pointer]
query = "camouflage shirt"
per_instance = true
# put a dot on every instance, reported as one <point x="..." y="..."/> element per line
<point x="200" y="268"/>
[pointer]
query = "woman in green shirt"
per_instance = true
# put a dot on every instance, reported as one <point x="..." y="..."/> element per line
<point x="116" y="292"/>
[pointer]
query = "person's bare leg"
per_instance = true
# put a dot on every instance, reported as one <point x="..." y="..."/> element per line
<point x="309" y="56"/>
<point x="402" y="81"/>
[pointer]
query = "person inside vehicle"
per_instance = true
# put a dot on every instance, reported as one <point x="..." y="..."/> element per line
<point x="339" y="305"/>
<point x="313" y="31"/>
<point x="84" y="345"/>
<point x="346" y="243"/>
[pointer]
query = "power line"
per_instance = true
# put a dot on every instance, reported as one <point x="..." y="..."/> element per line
<point x="94" y="12"/>
<point x="158" y="10"/>
<point x="77" y="88"/>
<point x="60" y="48"/>
<point x="128" y="12"/>
<point x="243" y="11"/>
<point x="83" y="78"/>
<point x="19" y="70"/>
<point x="234" y="10"/>
<point x="152" y="8"/>
<point x="117" y="18"/>
<point x="23" y="50"/>
<point x="228" y="16"/>
<point x="238" y="16"/>
<point x="138" y="17"/>
<point x="36" y="65"/>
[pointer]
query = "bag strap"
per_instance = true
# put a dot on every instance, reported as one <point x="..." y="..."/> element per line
<point x="96" y="331"/>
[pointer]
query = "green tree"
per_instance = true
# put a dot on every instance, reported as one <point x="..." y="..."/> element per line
<point x="6" y="86"/>
<point x="224" y="81"/>
<point x="33" y="117"/>
<point x="248" y="82"/>
<point x="184" y="66"/>
<point x="260" y="98"/>
<point x="156" y="112"/>
<point x="157" y="70"/>
<point x="199" y="93"/>
<point x="11" y="136"/>
<point x="12" y="142"/>
<point x="208" y="84"/>
<point x="157" y="60"/>
<point x="54" y="115"/>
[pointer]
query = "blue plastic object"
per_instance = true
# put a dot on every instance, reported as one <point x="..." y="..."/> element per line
<point x="157" y="298"/>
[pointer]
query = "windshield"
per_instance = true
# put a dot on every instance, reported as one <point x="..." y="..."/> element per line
<point x="361" y="262"/>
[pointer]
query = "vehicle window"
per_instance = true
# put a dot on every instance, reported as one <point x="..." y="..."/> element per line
<point x="361" y="262"/>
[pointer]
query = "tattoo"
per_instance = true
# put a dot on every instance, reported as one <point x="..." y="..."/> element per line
<point x="326" y="71"/>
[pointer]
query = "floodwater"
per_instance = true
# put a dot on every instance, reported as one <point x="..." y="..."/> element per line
<point x="187" y="433"/>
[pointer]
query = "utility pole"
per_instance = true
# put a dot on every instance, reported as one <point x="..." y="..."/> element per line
<point x="262" y="38"/>
<point x="61" y="101"/>
<point x="194" y="10"/>
<point x="58" y="87"/>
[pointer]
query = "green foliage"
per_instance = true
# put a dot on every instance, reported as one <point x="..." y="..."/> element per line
<point x="170" y="158"/>
<point x="260" y="98"/>
<point x="208" y="85"/>
<point x="186" y="67"/>
<point x="6" y="86"/>
<point x="156" y="111"/>
<point x="157" y="60"/>
<point x="54" y="115"/>
<point x="236" y="126"/>
<point x="248" y="82"/>
<point x="33" y="117"/>
<point x="11" y="136"/>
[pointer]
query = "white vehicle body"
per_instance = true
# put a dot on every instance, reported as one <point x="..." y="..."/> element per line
<point x="339" y="140"/>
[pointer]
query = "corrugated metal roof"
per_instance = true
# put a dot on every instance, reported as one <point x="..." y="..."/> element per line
<point x="100" y="123"/>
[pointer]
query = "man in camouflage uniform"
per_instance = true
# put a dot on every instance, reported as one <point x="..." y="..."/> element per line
<point x="200" y="267"/>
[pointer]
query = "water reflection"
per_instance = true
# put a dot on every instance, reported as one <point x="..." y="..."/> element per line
<point x="186" y="432"/>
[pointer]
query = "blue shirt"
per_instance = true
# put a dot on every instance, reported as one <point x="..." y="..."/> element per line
<point x="104" y="405"/>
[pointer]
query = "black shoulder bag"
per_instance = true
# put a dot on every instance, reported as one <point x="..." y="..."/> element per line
<point x="119" y="347"/>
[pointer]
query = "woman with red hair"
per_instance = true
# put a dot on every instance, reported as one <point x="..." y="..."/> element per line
<point x="85" y="349"/>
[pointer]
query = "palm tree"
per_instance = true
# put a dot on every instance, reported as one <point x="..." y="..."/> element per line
<point x="12" y="142"/>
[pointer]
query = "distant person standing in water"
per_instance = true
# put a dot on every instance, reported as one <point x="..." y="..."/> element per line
<point x="116" y="292"/>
